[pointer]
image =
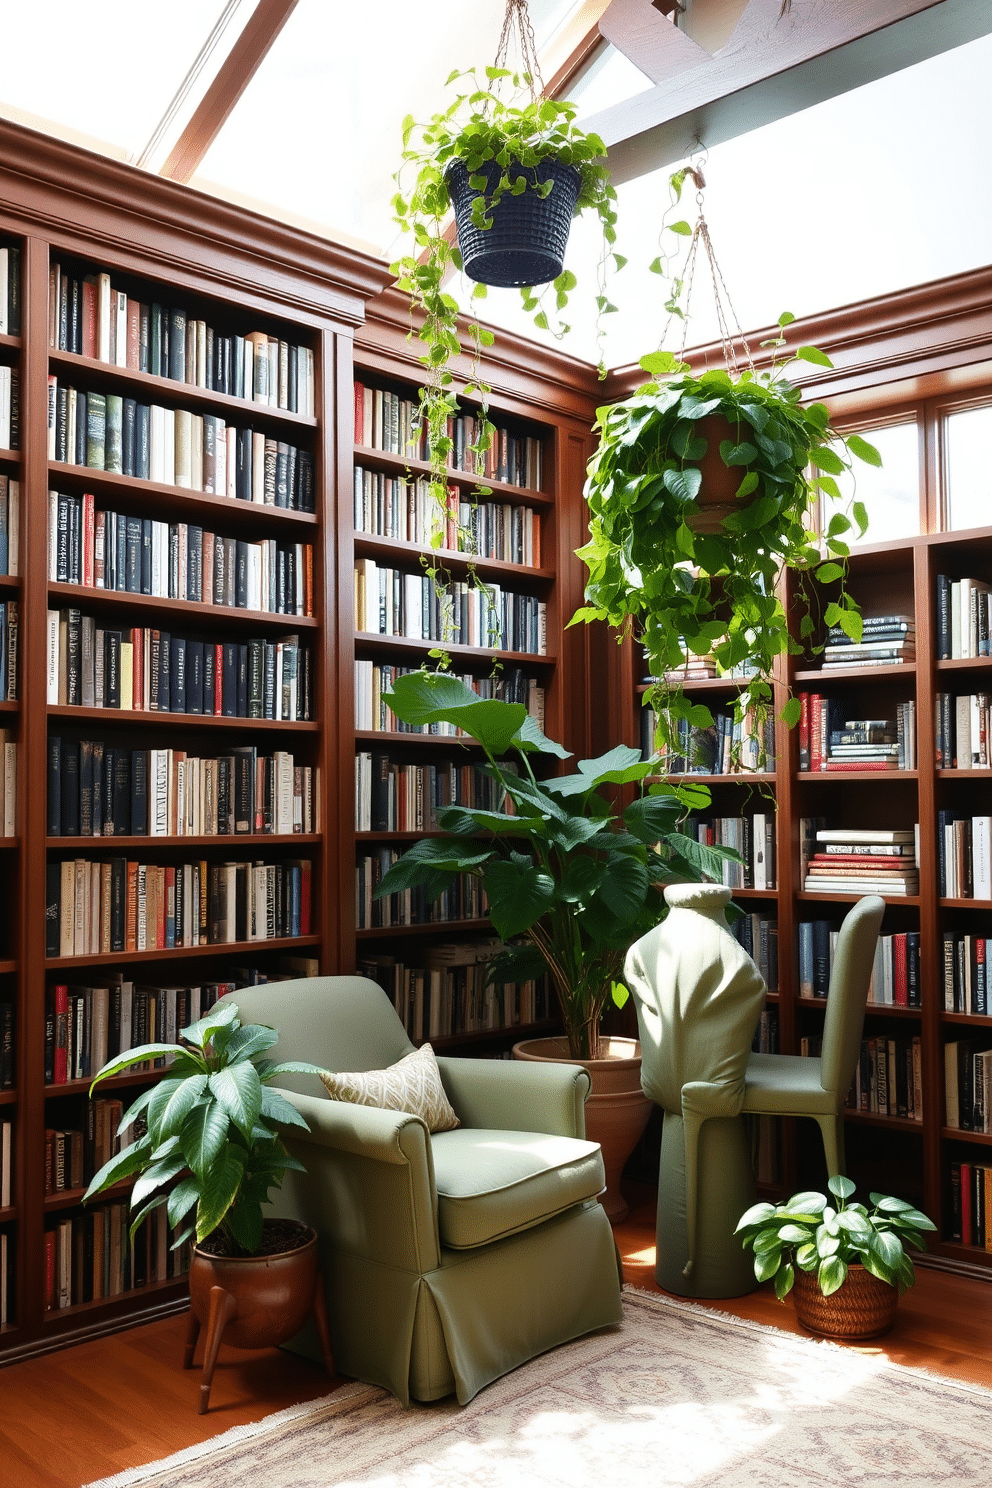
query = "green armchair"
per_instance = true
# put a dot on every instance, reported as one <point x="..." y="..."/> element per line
<point x="447" y="1259"/>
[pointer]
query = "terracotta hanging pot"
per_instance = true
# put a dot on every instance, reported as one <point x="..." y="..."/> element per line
<point x="717" y="497"/>
<point x="617" y="1110"/>
<point x="863" y="1307"/>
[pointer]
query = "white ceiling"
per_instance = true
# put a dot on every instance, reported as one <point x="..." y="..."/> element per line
<point x="873" y="191"/>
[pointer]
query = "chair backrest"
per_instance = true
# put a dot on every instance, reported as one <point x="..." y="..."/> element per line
<point x="337" y="1022"/>
<point x="847" y="995"/>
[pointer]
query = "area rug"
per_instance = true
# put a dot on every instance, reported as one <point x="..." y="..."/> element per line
<point x="675" y="1397"/>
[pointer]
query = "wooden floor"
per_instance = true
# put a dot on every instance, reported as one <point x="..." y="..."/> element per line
<point x="72" y="1417"/>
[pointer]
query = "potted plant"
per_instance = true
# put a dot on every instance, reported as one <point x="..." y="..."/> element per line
<point x="205" y="1143"/>
<point x="497" y="162"/>
<point x="563" y="870"/>
<point x="701" y="491"/>
<point x="848" y="1265"/>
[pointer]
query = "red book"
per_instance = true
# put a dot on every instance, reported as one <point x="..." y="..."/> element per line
<point x="88" y="539"/>
<point x="804" y="731"/>
<point x="815" y="732"/>
<point x="900" y="975"/>
<point x="359" y="413"/>
<point x="133" y="349"/>
<point x="218" y="680"/>
<point x="850" y="765"/>
<point x="60" y="1069"/>
<point x="859" y="860"/>
<point x="90" y="296"/>
<point x="138" y="669"/>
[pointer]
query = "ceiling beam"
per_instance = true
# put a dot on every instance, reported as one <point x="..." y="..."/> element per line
<point x="775" y="63"/>
<point x="233" y="77"/>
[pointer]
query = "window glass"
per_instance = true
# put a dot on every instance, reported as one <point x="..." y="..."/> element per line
<point x="891" y="494"/>
<point x="968" y="442"/>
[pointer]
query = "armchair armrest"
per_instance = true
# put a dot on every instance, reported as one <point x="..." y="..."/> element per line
<point x="512" y="1095"/>
<point x="366" y="1131"/>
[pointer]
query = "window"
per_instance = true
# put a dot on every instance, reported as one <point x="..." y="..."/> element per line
<point x="891" y="494"/>
<point x="967" y="474"/>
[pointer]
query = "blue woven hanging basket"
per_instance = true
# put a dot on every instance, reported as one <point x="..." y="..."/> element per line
<point x="526" y="243"/>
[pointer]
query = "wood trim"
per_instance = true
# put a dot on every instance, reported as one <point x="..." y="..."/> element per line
<point x="235" y="73"/>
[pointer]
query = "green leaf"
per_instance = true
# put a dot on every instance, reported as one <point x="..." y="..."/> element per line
<point x="784" y="1281"/>
<point x="683" y="484"/>
<point x="181" y="1199"/>
<point x="222" y="1016"/>
<point x="864" y="451"/>
<point x="841" y="1188"/>
<point x="648" y="818"/>
<point x="132" y="1057"/>
<point x="154" y="1176"/>
<point x="828" y="573"/>
<point x="792" y="712"/>
<point x="825" y="458"/>
<point x="625" y="887"/>
<point x="813" y="354"/>
<point x="203" y="1135"/>
<point x="219" y="1187"/>
<point x="250" y="1039"/>
<point x="276" y="1107"/>
<point x="428" y="857"/>
<point x="171" y="1103"/>
<point x="239" y="1091"/>
<point x="767" y="1263"/>
<point x="889" y="1205"/>
<point x="529" y="737"/>
<point x="129" y="1160"/>
<point x="833" y="1274"/>
<point x="754" y="1215"/>
<point x="519" y="894"/>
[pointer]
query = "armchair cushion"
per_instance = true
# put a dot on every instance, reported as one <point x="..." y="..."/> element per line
<point x="412" y="1084"/>
<point x="496" y="1183"/>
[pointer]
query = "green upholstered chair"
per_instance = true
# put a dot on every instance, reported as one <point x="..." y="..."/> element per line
<point x="795" y="1085"/>
<point x="447" y="1260"/>
<point x="698" y="996"/>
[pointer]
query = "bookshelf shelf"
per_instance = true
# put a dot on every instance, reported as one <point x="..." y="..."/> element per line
<point x="891" y="1123"/>
<point x="886" y="673"/>
<point x="9" y="584"/>
<point x="702" y="684"/>
<point x="13" y="707"/>
<point x="389" y="739"/>
<point x="175" y="953"/>
<point x="499" y="490"/>
<point x="872" y="1010"/>
<point x="10" y="844"/>
<point x="840" y="775"/>
<point x="10" y="343"/>
<point x="973" y="1020"/>
<point x="151" y="719"/>
<point x="812" y="898"/>
<point x="150" y="498"/>
<point x="962" y="903"/>
<point x="8" y="1097"/>
<point x="971" y="774"/>
<point x="755" y="893"/>
<point x="959" y="1134"/>
<point x="437" y="927"/>
<point x="225" y="841"/>
<point x="7" y="966"/>
<point x="10" y="1212"/>
<point x="69" y="1197"/>
<point x="743" y="777"/>
<point x="390" y="549"/>
<point x="367" y="643"/>
<point x="10" y="457"/>
<point x="175" y="1285"/>
<point x="113" y="1082"/>
<point x="965" y="664"/>
<point x="187" y="612"/>
<point x="169" y="390"/>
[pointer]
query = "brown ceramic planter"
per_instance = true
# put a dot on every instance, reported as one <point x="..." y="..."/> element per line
<point x="863" y="1307"/>
<point x="717" y="499"/>
<point x="617" y="1110"/>
<point x="253" y="1302"/>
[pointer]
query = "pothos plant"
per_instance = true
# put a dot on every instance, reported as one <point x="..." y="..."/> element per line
<point x="518" y="134"/>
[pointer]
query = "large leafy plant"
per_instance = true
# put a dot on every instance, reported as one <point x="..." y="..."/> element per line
<point x="562" y="867"/>
<point x="210" y="1148"/>
<point x="825" y="1239"/>
<point x="481" y="128"/>
<point x="687" y="592"/>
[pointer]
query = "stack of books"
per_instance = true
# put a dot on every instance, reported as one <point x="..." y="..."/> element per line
<point x="886" y="640"/>
<point x="853" y="860"/>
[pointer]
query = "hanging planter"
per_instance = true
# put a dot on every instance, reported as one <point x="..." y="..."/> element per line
<point x="702" y="490"/>
<point x="528" y="232"/>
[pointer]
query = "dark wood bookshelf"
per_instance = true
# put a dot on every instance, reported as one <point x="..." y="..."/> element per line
<point x="132" y="718"/>
<point x="10" y="583"/>
<point x="477" y="657"/>
<point x="188" y="613"/>
<point x="441" y="928"/>
<point x="890" y="1123"/>
<point x="152" y="498"/>
<point x="177" y="842"/>
<point x="113" y="1082"/>
<point x="835" y="775"/>
<point x="10" y="343"/>
<point x="8" y="1097"/>
<point x="392" y="550"/>
<point x="959" y="1134"/>
<point x="10" y="457"/>
<point x="186" y="953"/>
<point x="495" y="490"/>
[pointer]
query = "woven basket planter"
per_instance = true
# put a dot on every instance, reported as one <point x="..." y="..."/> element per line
<point x="526" y="243"/>
<point x="863" y="1307"/>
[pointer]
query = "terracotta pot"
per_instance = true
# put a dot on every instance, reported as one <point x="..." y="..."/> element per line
<point x="863" y="1307"/>
<point x="273" y="1294"/>
<point x="716" y="498"/>
<point x="617" y="1110"/>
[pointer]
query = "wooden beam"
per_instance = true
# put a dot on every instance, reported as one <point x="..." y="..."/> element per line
<point x="233" y="77"/>
<point x="777" y="64"/>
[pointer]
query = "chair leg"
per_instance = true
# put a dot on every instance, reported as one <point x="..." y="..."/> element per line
<point x="320" y="1318"/>
<point x="222" y="1310"/>
<point x="832" y="1131"/>
<point x="192" y="1334"/>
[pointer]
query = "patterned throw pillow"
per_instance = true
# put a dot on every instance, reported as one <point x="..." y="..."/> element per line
<point x="413" y="1084"/>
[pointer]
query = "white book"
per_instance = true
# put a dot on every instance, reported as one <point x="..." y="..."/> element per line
<point x="230" y="487"/>
<point x="981" y="856"/>
<point x="758" y="840"/>
<point x="103" y="313"/>
<point x="5" y="385"/>
<point x="169" y="445"/>
<point x="956" y="620"/>
<point x="53" y="404"/>
<point x="862" y="834"/>
<point x="120" y="310"/>
<point x="196" y="451"/>
<point x="220" y="458"/>
<point x="53" y="658"/>
<point x="962" y="731"/>
<point x="13" y="527"/>
<point x="258" y="468"/>
<point x="156" y="443"/>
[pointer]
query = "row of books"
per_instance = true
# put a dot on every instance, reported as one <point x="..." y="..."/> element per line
<point x="833" y="739"/>
<point x="852" y="860"/>
<point x="895" y="980"/>
<point x="8" y="783"/>
<point x="374" y="680"/>
<point x="136" y="555"/>
<point x="387" y="421"/>
<point x="98" y="790"/>
<point x="971" y="1203"/>
<point x="753" y="837"/>
<point x="100" y="907"/>
<point x="962" y="618"/>
<point x="464" y="899"/>
<point x="758" y="934"/>
<point x="10" y="407"/>
<point x="10" y="289"/>
<point x="964" y="962"/>
<point x="9" y="642"/>
<point x="888" y="1078"/>
<point x="92" y="318"/>
<point x="449" y="993"/>
<point x="89" y="1257"/>
<point x="176" y="447"/>
<point x="963" y="730"/>
<point x="968" y="1085"/>
<point x="395" y="797"/>
<point x="886" y="640"/>
<point x="6" y="1046"/>
<point x="728" y="746"/>
<point x="964" y="856"/>
<point x="85" y="1026"/>
<point x="393" y="603"/>
<point x="10" y="524"/>
<point x="149" y="670"/>
<point x="766" y="1035"/>
<point x="404" y="509"/>
<point x="72" y="1156"/>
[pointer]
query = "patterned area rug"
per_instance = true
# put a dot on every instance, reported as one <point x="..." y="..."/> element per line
<point x="675" y="1396"/>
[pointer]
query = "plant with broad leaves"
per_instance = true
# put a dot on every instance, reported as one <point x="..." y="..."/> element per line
<point x="561" y="867"/>
<point x="503" y="144"/>
<point x="687" y="592"/>
<point x="210" y="1150"/>
<point x="823" y="1238"/>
